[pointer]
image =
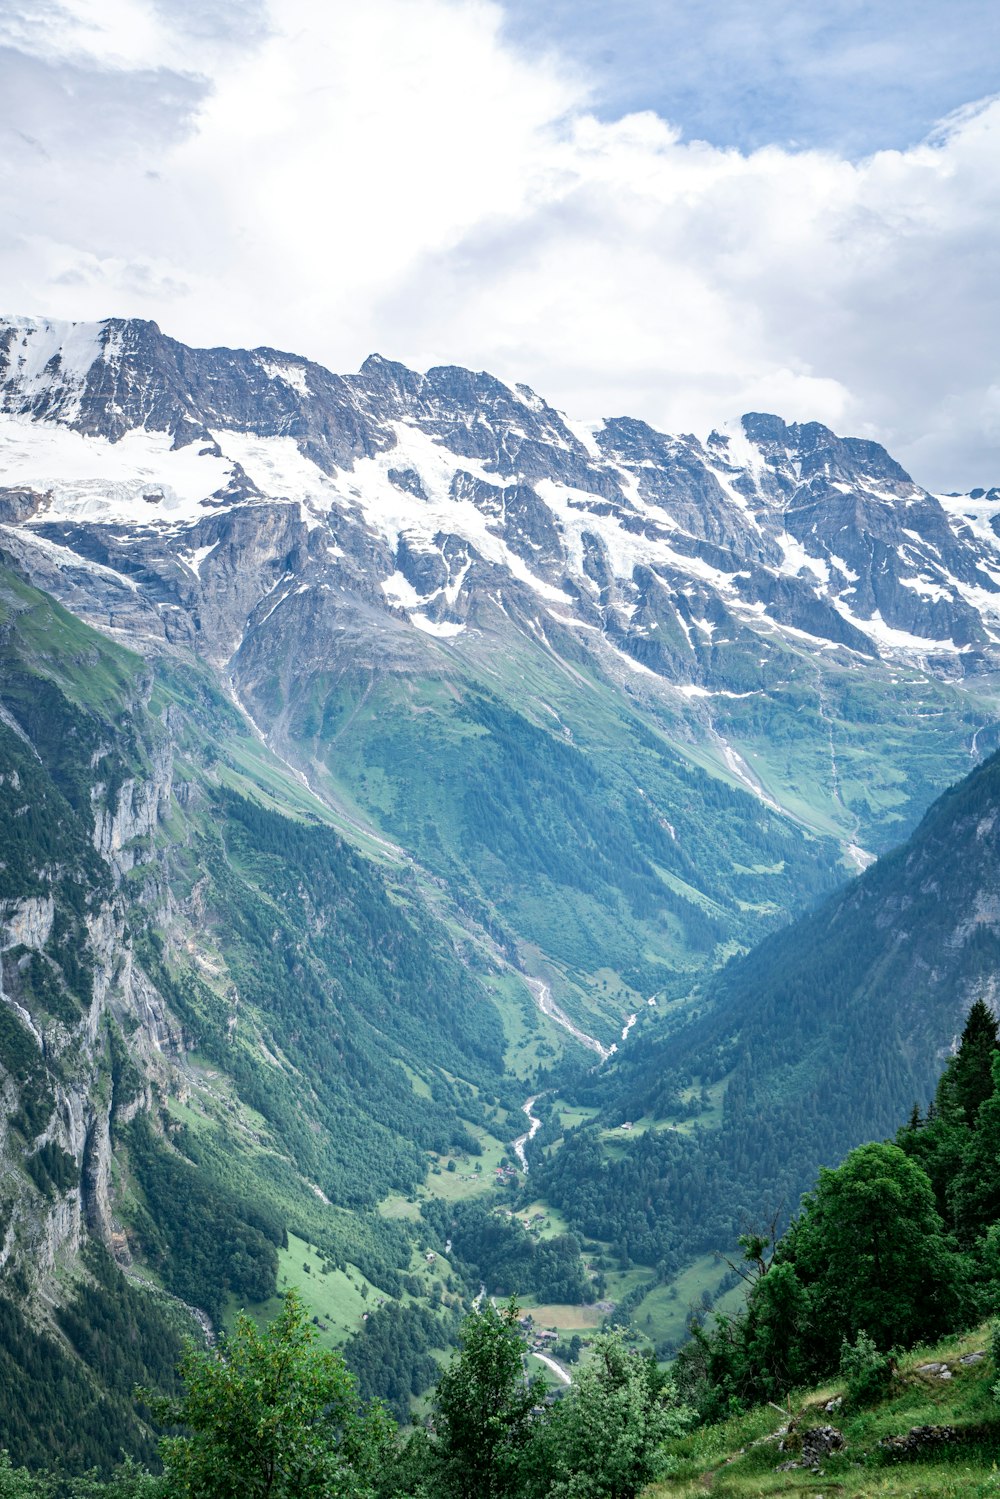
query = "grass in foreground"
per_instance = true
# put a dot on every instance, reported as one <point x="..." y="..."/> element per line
<point x="737" y="1459"/>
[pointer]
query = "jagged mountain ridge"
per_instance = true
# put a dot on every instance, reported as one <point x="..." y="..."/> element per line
<point x="451" y="473"/>
<point x="403" y="577"/>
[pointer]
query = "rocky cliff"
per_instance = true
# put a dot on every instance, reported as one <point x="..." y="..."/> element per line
<point x="210" y="1015"/>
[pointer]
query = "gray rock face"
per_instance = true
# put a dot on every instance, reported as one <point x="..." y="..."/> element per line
<point x="110" y="378"/>
<point x="812" y="1445"/>
<point x="454" y="482"/>
<point x="46" y="1226"/>
<point x="296" y="527"/>
<point x="919" y="1439"/>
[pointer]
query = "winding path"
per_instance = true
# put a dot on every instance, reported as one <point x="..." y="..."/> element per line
<point x="555" y="1366"/>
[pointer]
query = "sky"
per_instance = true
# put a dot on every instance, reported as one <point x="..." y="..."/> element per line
<point x="663" y="208"/>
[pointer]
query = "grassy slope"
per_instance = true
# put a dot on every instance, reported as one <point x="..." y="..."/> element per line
<point x="339" y="1298"/>
<point x="737" y="1459"/>
<point x="604" y="726"/>
<point x="405" y="753"/>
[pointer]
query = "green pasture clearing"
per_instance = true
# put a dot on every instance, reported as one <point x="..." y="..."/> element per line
<point x="552" y="1221"/>
<point x="337" y="1300"/>
<point x="533" y="1039"/>
<point x="466" y="1180"/>
<point x="398" y="1206"/>
<point x="564" y="1317"/>
<point x="417" y="1083"/>
<point x="615" y="1138"/>
<point x="572" y="1115"/>
<point x="620" y="1282"/>
<point x="663" y="1314"/>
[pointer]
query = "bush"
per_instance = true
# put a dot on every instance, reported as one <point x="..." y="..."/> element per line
<point x="867" y="1372"/>
<point x="995" y="1354"/>
<point x="995" y="1343"/>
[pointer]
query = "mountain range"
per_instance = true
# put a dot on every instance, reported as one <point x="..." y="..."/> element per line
<point x="374" y="564"/>
<point x="381" y="749"/>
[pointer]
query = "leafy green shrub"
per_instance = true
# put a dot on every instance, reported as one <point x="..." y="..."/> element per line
<point x="995" y="1343"/>
<point x="995" y="1354"/>
<point x="867" y="1372"/>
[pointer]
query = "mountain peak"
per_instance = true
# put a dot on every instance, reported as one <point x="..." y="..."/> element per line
<point x="378" y="364"/>
<point x="662" y="545"/>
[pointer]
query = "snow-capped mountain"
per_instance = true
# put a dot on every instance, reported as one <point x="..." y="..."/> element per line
<point x="449" y="499"/>
<point x="298" y="529"/>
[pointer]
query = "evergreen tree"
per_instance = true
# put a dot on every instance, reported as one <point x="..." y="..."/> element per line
<point x="778" y="1330"/>
<point x="975" y="1194"/>
<point x="970" y="1072"/>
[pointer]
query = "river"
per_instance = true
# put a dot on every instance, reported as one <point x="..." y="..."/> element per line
<point x="534" y="1125"/>
<point x="548" y="1006"/>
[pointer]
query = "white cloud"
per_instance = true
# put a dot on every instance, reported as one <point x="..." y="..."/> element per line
<point x="397" y="176"/>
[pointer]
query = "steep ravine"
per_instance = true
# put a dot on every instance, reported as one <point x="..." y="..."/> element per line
<point x="534" y="1125"/>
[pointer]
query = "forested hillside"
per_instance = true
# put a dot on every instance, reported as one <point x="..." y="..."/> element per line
<point x="896" y="1248"/>
<point x="821" y="1037"/>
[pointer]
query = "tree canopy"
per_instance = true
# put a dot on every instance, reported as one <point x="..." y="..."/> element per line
<point x="484" y="1405"/>
<point x="269" y="1415"/>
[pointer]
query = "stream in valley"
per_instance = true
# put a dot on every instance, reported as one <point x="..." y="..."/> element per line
<point x="548" y="1006"/>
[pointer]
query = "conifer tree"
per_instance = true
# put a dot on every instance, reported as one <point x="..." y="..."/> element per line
<point x="975" y="1193"/>
<point x="971" y="1074"/>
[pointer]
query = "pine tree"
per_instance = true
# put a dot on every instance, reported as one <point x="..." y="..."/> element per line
<point x="971" y="1074"/>
<point x="975" y="1193"/>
